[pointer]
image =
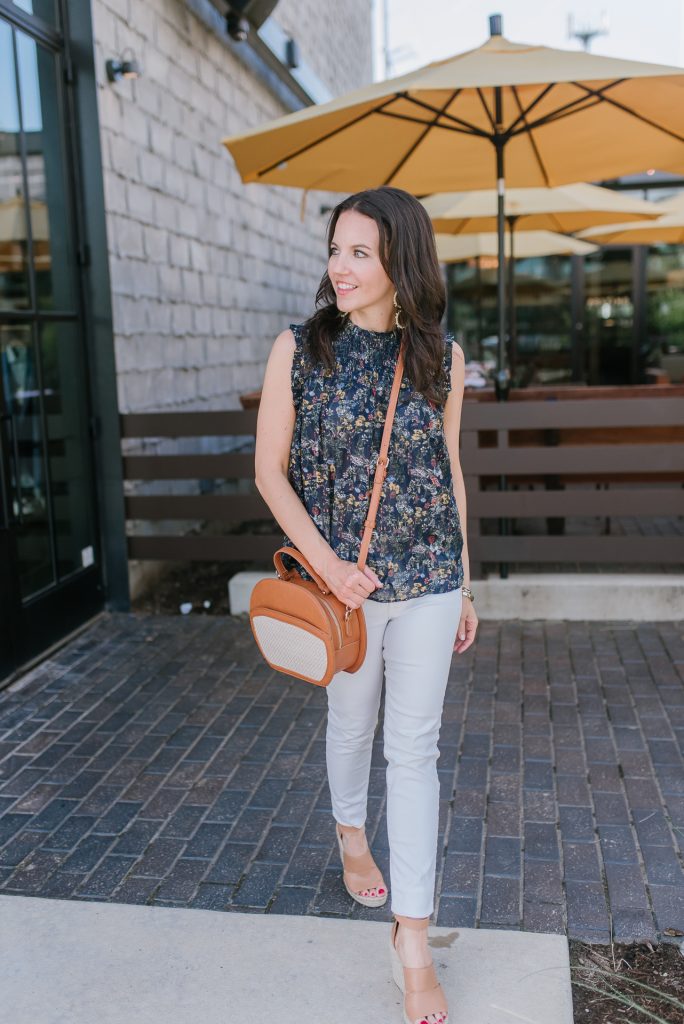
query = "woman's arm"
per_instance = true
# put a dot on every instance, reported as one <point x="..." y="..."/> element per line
<point x="275" y="425"/>
<point x="452" y="425"/>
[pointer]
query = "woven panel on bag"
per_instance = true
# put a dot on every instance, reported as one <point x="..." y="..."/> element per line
<point x="288" y="647"/>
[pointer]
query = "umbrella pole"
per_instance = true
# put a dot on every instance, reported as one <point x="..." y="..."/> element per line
<point x="502" y="379"/>
<point x="512" y="326"/>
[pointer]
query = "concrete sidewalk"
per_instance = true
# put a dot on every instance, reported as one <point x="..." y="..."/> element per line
<point x="118" y="964"/>
<point x="158" y="761"/>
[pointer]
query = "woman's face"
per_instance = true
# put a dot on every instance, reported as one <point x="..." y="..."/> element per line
<point x="354" y="266"/>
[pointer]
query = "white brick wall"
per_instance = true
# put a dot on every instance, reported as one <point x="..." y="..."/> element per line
<point x="205" y="270"/>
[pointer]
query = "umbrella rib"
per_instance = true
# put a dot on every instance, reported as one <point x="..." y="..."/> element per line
<point x="487" y="111"/>
<point x="627" y="110"/>
<point x="522" y="115"/>
<point x="405" y="157"/>
<point x="473" y="129"/>
<point x="581" y="103"/>
<point x="430" y="124"/>
<point x="328" y="135"/>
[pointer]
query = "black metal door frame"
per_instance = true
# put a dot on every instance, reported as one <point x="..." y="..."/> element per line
<point x="28" y="627"/>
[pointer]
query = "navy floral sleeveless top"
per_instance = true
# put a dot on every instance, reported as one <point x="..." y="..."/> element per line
<point x="416" y="544"/>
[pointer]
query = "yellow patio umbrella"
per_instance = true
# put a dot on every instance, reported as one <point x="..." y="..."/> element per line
<point x="668" y="229"/>
<point x="565" y="208"/>
<point x="451" y="248"/>
<point x="14" y="234"/>
<point x="559" y="116"/>
<point x="13" y="226"/>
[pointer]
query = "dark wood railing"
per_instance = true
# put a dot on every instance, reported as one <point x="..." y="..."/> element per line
<point x="630" y="449"/>
<point x="230" y="510"/>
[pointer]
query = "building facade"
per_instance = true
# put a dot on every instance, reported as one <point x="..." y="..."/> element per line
<point x="137" y="272"/>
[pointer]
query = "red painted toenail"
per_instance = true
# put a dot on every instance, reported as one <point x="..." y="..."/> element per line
<point x="381" y="891"/>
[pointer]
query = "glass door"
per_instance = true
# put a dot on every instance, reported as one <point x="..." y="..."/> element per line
<point x="610" y="343"/>
<point x="48" y="540"/>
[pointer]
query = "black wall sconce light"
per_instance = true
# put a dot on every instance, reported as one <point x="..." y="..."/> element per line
<point x="292" y="53"/>
<point x="126" y="67"/>
<point x="237" y="27"/>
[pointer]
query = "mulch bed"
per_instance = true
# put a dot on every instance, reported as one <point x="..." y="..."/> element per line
<point x="622" y="972"/>
<point x="637" y="983"/>
<point x="191" y="582"/>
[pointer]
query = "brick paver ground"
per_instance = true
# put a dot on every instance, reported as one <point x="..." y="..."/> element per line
<point x="158" y="760"/>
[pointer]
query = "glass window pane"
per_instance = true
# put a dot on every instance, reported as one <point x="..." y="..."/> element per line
<point x="45" y="9"/>
<point x="543" y="353"/>
<point x="64" y="384"/>
<point x="665" y="311"/>
<point x="52" y="244"/>
<point x="609" y="316"/>
<point x="14" y="250"/>
<point x="29" y="487"/>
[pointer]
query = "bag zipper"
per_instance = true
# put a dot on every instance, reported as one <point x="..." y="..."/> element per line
<point x="333" y="618"/>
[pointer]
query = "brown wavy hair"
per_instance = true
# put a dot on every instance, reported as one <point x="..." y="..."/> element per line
<point x="408" y="254"/>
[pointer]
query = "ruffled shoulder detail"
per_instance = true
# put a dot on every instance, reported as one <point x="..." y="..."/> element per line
<point x="298" y="372"/>
<point x="446" y="361"/>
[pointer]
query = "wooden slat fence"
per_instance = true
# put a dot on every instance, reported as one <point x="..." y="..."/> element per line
<point x="521" y="444"/>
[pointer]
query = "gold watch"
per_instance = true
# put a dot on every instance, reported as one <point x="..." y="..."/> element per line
<point x="467" y="592"/>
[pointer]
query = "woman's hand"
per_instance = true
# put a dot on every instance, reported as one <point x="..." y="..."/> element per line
<point x="349" y="583"/>
<point x="467" y="627"/>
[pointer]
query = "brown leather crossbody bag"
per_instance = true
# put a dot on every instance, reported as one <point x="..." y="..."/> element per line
<point x="300" y="626"/>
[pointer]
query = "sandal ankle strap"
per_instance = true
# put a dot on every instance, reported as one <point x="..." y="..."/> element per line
<point x="418" y="924"/>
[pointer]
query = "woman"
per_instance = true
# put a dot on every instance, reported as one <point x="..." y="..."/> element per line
<point x="321" y="416"/>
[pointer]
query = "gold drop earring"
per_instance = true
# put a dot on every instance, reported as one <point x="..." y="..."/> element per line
<point x="397" y="312"/>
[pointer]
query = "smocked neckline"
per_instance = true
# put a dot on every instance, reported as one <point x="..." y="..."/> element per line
<point x="366" y="332"/>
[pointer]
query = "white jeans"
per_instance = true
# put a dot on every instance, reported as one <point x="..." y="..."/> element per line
<point x="413" y="641"/>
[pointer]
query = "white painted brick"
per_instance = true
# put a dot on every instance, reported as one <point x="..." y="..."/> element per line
<point x="210" y="288"/>
<point x="175" y="351"/>
<point x="186" y="220"/>
<point x="136" y="124"/>
<point x="198" y="255"/>
<point x="220" y="322"/>
<point x="170" y="283"/>
<point x="195" y="352"/>
<point x="202" y="321"/>
<point x="192" y="289"/>
<point x="181" y="319"/>
<point x="179" y="251"/>
<point x="115" y="192"/>
<point x="156" y="242"/>
<point x="129" y="237"/>
<point x="165" y="210"/>
<point x="151" y="169"/>
<point x="174" y="181"/>
<point x="146" y="280"/>
<point x="140" y="202"/>
<point x="158" y="315"/>
<point x="151" y="355"/>
<point x="122" y="275"/>
<point x="161" y="139"/>
<point x="128" y="315"/>
<point x="205" y="270"/>
<point x="123" y="157"/>
<point x="185" y="385"/>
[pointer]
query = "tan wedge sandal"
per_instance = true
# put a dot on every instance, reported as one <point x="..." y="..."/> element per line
<point x="423" y="994"/>
<point x="361" y="874"/>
